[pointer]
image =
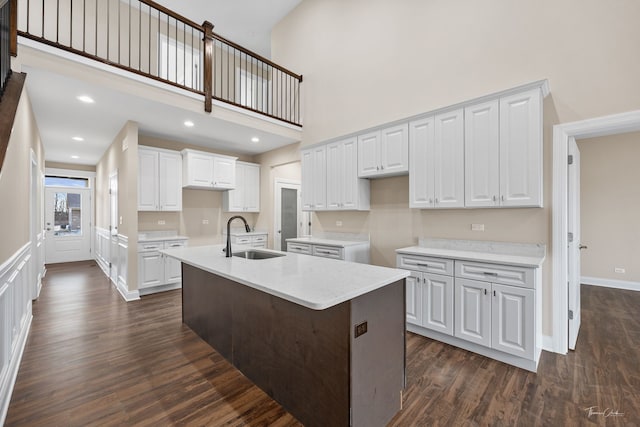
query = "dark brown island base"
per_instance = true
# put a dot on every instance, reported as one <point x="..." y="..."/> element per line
<point x="337" y="366"/>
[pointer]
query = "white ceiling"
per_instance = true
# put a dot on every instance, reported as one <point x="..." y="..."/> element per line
<point x="60" y="116"/>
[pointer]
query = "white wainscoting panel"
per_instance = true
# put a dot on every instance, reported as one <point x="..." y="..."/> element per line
<point x="123" y="246"/>
<point x="15" y="318"/>
<point x="103" y="244"/>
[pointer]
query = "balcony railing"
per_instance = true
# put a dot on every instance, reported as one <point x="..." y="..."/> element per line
<point x="148" y="39"/>
<point x="5" y="44"/>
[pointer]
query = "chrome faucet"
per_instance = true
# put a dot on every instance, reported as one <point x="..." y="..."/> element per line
<point x="246" y="227"/>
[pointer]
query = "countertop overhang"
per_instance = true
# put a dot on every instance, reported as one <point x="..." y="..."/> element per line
<point x="313" y="282"/>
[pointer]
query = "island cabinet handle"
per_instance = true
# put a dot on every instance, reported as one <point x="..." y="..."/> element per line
<point x="176" y="245"/>
<point x="422" y="265"/>
<point x="151" y="247"/>
<point x="490" y="273"/>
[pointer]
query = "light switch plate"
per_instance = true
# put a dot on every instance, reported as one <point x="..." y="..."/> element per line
<point x="477" y="227"/>
<point x="620" y="270"/>
<point x="161" y="222"/>
<point x="205" y="221"/>
<point x="338" y="223"/>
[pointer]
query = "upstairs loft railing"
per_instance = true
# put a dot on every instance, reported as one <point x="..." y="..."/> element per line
<point x="5" y="44"/>
<point x="148" y="39"/>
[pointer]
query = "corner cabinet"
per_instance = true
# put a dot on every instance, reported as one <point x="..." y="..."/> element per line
<point x="491" y="309"/>
<point x="208" y="171"/>
<point x="246" y="195"/>
<point x="159" y="179"/>
<point x="384" y="152"/>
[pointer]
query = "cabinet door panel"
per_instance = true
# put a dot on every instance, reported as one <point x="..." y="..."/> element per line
<point x="482" y="178"/>
<point x="148" y="180"/>
<point x="320" y="178"/>
<point x="350" y="182"/>
<point x="170" y="190"/>
<point x="394" y="149"/>
<point x="199" y="170"/>
<point x="252" y="188"/>
<point x="306" y="161"/>
<point x="449" y="159"/>
<point x="521" y="149"/>
<point x="473" y="311"/>
<point x="437" y="303"/>
<point x="513" y="321"/>
<point x="414" y="298"/>
<point x="150" y="269"/>
<point x="224" y="172"/>
<point x="369" y="154"/>
<point x="421" y="163"/>
<point x="335" y="180"/>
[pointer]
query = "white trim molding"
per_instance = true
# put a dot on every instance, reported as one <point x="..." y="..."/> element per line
<point x="600" y="126"/>
<point x="610" y="283"/>
<point x="123" y="249"/>
<point x="15" y="319"/>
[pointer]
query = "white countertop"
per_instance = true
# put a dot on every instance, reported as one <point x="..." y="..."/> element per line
<point x="313" y="282"/>
<point x="340" y="240"/>
<point x="518" y="254"/>
<point x="158" y="236"/>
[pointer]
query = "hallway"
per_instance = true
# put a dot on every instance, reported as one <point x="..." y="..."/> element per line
<point x="92" y="359"/>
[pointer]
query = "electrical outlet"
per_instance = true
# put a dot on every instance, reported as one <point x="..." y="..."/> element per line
<point x="620" y="270"/>
<point x="360" y="329"/>
<point x="205" y="221"/>
<point x="338" y="223"/>
<point x="161" y="222"/>
<point x="477" y="227"/>
<point x="120" y="220"/>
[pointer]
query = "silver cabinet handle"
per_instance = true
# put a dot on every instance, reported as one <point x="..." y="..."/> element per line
<point x="494" y="198"/>
<point x="437" y="201"/>
<point x="422" y="265"/>
<point x="381" y="167"/>
<point x="490" y="273"/>
<point x="377" y="168"/>
<point x="430" y="201"/>
<point x="502" y="197"/>
<point x="177" y="245"/>
<point x="485" y="291"/>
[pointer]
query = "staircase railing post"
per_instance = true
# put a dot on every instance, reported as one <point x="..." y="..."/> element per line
<point x="208" y="65"/>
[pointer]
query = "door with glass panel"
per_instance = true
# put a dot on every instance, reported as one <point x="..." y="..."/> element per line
<point x="67" y="223"/>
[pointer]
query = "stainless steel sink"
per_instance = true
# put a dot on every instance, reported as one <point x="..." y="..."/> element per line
<point x="255" y="254"/>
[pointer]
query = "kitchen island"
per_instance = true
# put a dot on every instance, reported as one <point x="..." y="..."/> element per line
<point x="324" y="338"/>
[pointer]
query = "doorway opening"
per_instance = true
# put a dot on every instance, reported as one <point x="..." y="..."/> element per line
<point x="566" y="280"/>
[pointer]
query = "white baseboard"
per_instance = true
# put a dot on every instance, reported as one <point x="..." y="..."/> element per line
<point x="127" y="294"/>
<point x="610" y="283"/>
<point x="547" y="343"/>
<point x="162" y="288"/>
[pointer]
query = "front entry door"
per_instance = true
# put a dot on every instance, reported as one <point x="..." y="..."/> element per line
<point x="67" y="224"/>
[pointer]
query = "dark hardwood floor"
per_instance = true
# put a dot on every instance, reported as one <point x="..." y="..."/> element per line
<point x="92" y="359"/>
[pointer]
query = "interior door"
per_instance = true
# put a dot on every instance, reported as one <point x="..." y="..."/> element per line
<point x="573" y="210"/>
<point x="67" y="220"/>
<point x="113" y="226"/>
<point x="288" y="213"/>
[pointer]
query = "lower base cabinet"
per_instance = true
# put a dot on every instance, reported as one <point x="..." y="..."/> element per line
<point x="490" y="309"/>
<point x="157" y="272"/>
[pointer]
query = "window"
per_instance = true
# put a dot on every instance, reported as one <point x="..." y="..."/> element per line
<point x="62" y="181"/>
<point x="67" y="214"/>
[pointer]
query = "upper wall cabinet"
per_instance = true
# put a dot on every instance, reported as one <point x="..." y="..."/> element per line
<point x="436" y="174"/>
<point x="314" y="178"/>
<point x="246" y="196"/>
<point x="503" y="151"/>
<point x="208" y="171"/>
<point x="384" y="152"/>
<point x="345" y="191"/>
<point x="159" y="179"/>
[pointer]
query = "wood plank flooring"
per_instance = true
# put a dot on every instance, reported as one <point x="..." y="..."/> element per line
<point x="92" y="359"/>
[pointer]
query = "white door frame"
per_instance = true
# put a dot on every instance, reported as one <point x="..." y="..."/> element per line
<point x="278" y="184"/>
<point x="91" y="177"/>
<point x="35" y="226"/>
<point x="599" y="126"/>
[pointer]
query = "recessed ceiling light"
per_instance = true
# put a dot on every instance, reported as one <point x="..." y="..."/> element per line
<point x="255" y="139"/>
<point x="86" y="99"/>
<point x="78" y="138"/>
<point x="75" y="157"/>
<point x="188" y="124"/>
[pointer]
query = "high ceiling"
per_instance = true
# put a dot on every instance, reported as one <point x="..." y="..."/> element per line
<point x="61" y="117"/>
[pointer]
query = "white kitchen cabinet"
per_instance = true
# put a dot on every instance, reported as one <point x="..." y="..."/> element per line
<point x="208" y="171"/>
<point x="314" y="178"/>
<point x="436" y="178"/>
<point x="246" y="195"/>
<point x="488" y="308"/>
<point x="159" y="180"/>
<point x="384" y="152"/>
<point x="345" y="191"/>
<point x="156" y="271"/>
<point x="503" y="151"/>
<point x="521" y="149"/>
<point x="473" y="311"/>
<point x="254" y="239"/>
<point x="331" y="247"/>
<point x="482" y="166"/>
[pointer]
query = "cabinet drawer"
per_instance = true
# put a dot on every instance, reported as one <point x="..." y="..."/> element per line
<point x="428" y="264"/>
<point x="299" y="248"/>
<point x="242" y="240"/>
<point x="327" y="252"/>
<point x="151" y="246"/>
<point x="175" y="244"/>
<point x="260" y="238"/>
<point x="259" y="245"/>
<point x="496" y="273"/>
